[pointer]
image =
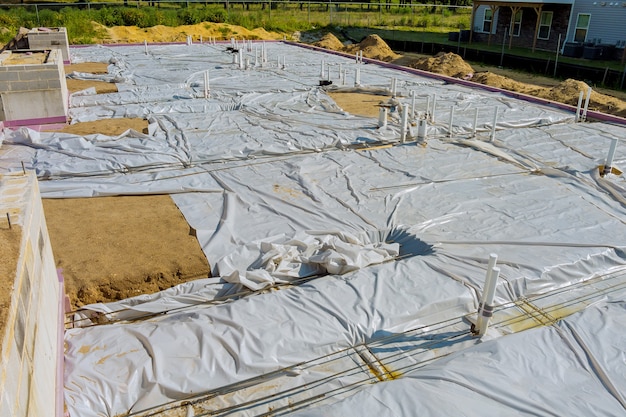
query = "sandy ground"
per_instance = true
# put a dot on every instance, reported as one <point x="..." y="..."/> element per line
<point x="116" y="247"/>
<point x="10" y="239"/>
<point x="111" y="248"/>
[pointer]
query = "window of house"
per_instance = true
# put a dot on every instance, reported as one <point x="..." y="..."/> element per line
<point x="517" y="23"/>
<point x="582" y="25"/>
<point x="488" y="20"/>
<point x="545" y="23"/>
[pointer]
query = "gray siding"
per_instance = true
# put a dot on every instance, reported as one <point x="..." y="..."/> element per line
<point x="607" y="24"/>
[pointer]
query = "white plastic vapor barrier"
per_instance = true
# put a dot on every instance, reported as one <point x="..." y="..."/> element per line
<point x="347" y="266"/>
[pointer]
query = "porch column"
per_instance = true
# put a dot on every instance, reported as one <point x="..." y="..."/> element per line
<point x="537" y="10"/>
<point x="494" y="9"/>
<point x="474" y="7"/>
<point x="514" y="10"/>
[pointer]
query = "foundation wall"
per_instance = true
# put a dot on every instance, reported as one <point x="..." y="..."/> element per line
<point x="33" y="91"/>
<point x="30" y="364"/>
<point x="51" y="38"/>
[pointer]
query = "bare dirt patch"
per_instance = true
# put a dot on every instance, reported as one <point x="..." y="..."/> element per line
<point x="361" y="104"/>
<point x="111" y="248"/>
<point x="448" y="64"/>
<point x="102" y="87"/>
<point x="110" y="127"/>
<point x="10" y="240"/>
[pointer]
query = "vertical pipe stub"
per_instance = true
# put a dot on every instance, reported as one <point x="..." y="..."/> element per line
<point x="608" y="164"/>
<point x="404" y="125"/>
<point x="485" y="305"/>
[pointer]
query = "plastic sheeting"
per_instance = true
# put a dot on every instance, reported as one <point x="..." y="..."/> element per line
<point x="278" y="181"/>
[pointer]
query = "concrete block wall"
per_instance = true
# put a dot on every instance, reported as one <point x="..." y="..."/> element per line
<point x="50" y="38"/>
<point x="33" y="93"/>
<point x="31" y="349"/>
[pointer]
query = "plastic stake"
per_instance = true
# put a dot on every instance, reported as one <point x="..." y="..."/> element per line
<point x="206" y="84"/>
<point x="432" y="114"/>
<point x="475" y="122"/>
<point x="586" y="104"/>
<point x="493" y="127"/>
<point x="450" y="122"/>
<point x="357" y="77"/>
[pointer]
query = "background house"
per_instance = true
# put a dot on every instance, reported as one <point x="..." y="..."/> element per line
<point x="539" y="24"/>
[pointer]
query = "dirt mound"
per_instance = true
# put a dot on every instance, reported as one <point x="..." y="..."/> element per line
<point x="444" y="63"/>
<point x="160" y="33"/>
<point x="566" y="92"/>
<point x="373" y="46"/>
<point x="569" y="90"/>
<point x="499" y="81"/>
<point x="329" y="41"/>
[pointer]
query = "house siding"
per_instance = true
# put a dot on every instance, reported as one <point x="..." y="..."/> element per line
<point x="560" y="20"/>
<point x="607" y="24"/>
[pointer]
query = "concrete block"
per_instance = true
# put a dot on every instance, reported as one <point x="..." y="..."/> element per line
<point x="9" y="75"/>
<point x="38" y="85"/>
<point x="54" y="84"/>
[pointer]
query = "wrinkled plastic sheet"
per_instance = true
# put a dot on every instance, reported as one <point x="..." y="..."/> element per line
<point x="269" y="170"/>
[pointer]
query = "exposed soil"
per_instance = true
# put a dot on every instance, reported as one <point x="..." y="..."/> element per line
<point x="25" y="58"/>
<point x="111" y="127"/>
<point x="111" y="248"/>
<point x="219" y="31"/>
<point x="101" y="87"/>
<point x="10" y="239"/>
<point x="453" y="65"/>
<point x="359" y="103"/>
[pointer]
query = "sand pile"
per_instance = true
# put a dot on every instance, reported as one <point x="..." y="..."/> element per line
<point x="329" y="41"/>
<point x="495" y="80"/>
<point x="373" y="46"/>
<point x="566" y="92"/>
<point x="448" y="64"/>
<point x="220" y="31"/>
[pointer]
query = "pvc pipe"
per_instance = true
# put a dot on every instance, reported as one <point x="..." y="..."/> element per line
<point x="493" y="128"/>
<point x="357" y="77"/>
<point x="421" y="129"/>
<point x="145" y="46"/>
<point x="450" y="122"/>
<point x="200" y="39"/>
<point x="428" y="107"/>
<point x="382" y="117"/>
<point x="405" y="116"/>
<point x="579" y="106"/>
<point x="247" y="63"/>
<point x="357" y="57"/>
<point x="609" y="159"/>
<point x="206" y="84"/>
<point x="343" y="80"/>
<point x="322" y="69"/>
<point x="487" y="309"/>
<point x="328" y="72"/>
<point x="340" y="71"/>
<point x="240" y="51"/>
<point x="493" y="258"/>
<point x="393" y="86"/>
<point x="412" y="103"/>
<point x="232" y="42"/>
<point x="587" y="103"/>
<point x="284" y="61"/>
<point x="475" y="122"/>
